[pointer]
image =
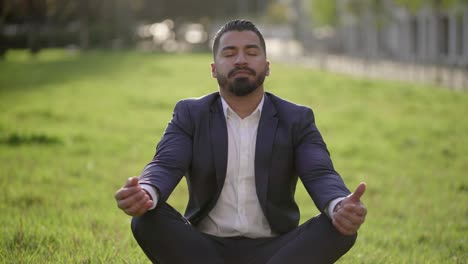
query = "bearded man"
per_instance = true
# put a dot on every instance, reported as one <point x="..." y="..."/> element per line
<point x="242" y="151"/>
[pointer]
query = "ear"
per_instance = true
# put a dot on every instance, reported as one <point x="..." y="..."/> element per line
<point x="213" y="70"/>
<point x="267" y="72"/>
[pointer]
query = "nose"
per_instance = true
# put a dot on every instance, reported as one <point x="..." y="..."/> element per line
<point x="241" y="59"/>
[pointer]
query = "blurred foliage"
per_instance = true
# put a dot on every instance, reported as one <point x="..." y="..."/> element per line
<point x="325" y="12"/>
<point x="415" y="5"/>
<point x="107" y="23"/>
<point x="277" y="13"/>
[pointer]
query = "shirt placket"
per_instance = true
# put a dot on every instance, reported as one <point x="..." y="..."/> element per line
<point x="243" y="170"/>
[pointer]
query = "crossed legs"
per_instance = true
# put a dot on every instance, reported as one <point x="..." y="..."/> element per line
<point x="166" y="237"/>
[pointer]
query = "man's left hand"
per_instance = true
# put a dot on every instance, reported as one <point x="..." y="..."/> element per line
<point x="350" y="213"/>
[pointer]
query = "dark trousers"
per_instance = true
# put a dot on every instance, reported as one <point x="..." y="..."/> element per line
<point x="167" y="237"/>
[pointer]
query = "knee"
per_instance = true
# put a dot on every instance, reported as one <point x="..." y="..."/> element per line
<point x="347" y="242"/>
<point x="342" y="243"/>
<point x="157" y="221"/>
<point x="141" y="223"/>
<point x="151" y="220"/>
<point x="142" y="229"/>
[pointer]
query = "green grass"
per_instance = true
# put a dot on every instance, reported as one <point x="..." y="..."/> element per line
<point x="73" y="127"/>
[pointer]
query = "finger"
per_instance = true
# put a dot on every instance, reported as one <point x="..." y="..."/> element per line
<point x="132" y="181"/>
<point x="144" y="208"/>
<point x="125" y="192"/>
<point x="130" y="200"/>
<point x="344" y="226"/>
<point x="343" y="230"/>
<point x="353" y="213"/>
<point x="356" y="209"/>
<point x="346" y="220"/>
<point x="140" y="206"/>
<point x="133" y="207"/>
<point x="356" y="195"/>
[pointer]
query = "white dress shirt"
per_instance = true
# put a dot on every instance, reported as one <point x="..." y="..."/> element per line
<point x="237" y="211"/>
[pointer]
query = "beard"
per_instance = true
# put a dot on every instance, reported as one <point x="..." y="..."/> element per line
<point x="241" y="86"/>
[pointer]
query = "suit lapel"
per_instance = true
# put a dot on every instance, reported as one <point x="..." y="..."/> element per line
<point x="264" y="147"/>
<point x="219" y="141"/>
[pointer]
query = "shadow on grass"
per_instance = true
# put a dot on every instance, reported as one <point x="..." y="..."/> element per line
<point x="16" y="139"/>
<point x="21" y="72"/>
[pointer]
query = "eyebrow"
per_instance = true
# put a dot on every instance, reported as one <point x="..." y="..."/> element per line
<point x="249" y="46"/>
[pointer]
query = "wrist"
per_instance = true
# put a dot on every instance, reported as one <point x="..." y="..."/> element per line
<point x="337" y="207"/>
<point x="330" y="208"/>
<point x="152" y="193"/>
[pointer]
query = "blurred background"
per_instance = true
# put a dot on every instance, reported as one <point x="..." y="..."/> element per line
<point x="412" y="40"/>
<point x="87" y="88"/>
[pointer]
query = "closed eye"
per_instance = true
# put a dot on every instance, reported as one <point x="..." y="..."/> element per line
<point x="252" y="50"/>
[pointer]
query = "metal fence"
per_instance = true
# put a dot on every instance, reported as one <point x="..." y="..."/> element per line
<point x="430" y="46"/>
<point x="428" y="37"/>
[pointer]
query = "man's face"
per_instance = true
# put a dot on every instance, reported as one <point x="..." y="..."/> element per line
<point x="240" y="63"/>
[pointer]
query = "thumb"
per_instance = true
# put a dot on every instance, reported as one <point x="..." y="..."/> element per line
<point x="356" y="195"/>
<point x="132" y="181"/>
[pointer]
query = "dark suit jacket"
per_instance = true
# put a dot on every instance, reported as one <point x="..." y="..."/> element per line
<point x="288" y="145"/>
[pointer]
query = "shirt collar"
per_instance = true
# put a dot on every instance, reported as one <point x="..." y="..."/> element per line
<point x="227" y="109"/>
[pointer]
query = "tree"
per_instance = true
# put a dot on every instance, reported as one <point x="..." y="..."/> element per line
<point x="84" y="23"/>
<point x="415" y="5"/>
<point x="35" y="19"/>
<point x="323" y="12"/>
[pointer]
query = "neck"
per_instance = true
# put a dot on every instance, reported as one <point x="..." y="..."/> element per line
<point x="243" y="105"/>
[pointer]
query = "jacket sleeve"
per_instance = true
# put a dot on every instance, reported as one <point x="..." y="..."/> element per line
<point x="313" y="164"/>
<point x="173" y="154"/>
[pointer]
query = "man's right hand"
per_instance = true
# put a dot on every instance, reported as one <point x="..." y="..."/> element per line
<point x="132" y="199"/>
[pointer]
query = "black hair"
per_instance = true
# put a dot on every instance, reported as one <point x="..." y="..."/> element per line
<point x="237" y="25"/>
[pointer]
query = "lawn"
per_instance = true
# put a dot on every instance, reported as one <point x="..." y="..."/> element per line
<point x="74" y="127"/>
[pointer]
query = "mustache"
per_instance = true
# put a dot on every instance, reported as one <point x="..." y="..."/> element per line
<point x="245" y="69"/>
